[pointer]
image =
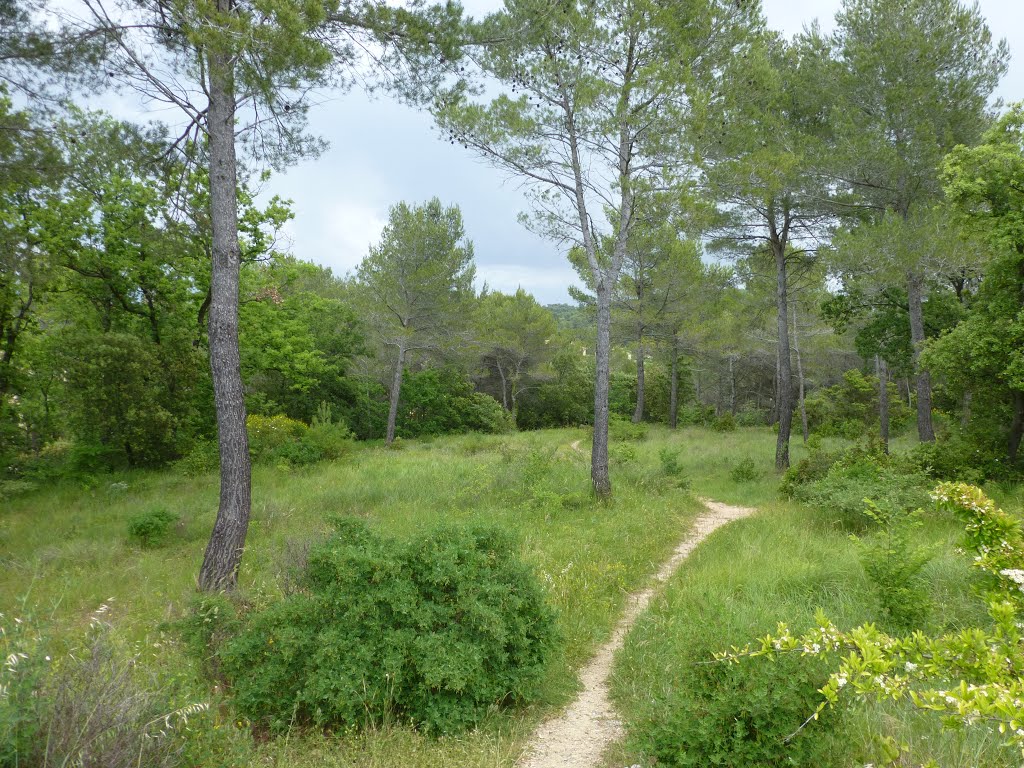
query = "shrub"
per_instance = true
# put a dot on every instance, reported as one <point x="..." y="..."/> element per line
<point x="739" y="715"/>
<point x="751" y="416"/>
<point x="894" y="568"/>
<point x="864" y="472"/>
<point x="963" y="457"/>
<point x="724" y="423"/>
<point x="744" y="471"/>
<point x="151" y="526"/>
<point x="622" y="429"/>
<point x="329" y="441"/>
<point x="202" y="459"/>
<point x="267" y="434"/>
<point x="670" y="462"/>
<point x="850" y="409"/>
<point x="432" y="632"/>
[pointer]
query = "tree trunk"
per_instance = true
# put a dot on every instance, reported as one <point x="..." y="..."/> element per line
<point x="673" y="395"/>
<point x="1016" y="426"/>
<point x="224" y="551"/>
<point x="785" y="386"/>
<point x="732" y="387"/>
<point x="915" y="302"/>
<point x="965" y="415"/>
<point x="504" y="385"/>
<point x="638" y="413"/>
<point x="800" y="376"/>
<point x="599" y="451"/>
<point x="396" y="393"/>
<point x="882" y="369"/>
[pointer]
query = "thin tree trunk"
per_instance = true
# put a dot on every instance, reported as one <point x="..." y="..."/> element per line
<point x="882" y="369"/>
<point x="777" y="400"/>
<point x="1016" y="426"/>
<point x="673" y="395"/>
<point x="599" y="451"/>
<point x="800" y="375"/>
<point x="224" y="551"/>
<point x="638" y="413"/>
<point x="504" y="385"/>
<point x="915" y="302"/>
<point x="732" y="387"/>
<point x="396" y="393"/>
<point x="785" y="385"/>
<point x="965" y="415"/>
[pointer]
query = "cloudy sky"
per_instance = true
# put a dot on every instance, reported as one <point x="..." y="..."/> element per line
<point x="382" y="152"/>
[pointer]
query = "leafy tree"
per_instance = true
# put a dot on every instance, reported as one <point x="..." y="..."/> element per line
<point x="518" y="336"/>
<point x="418" y="283"/>
<point x="220" y="63"/>
<point x="603" y="93"/>
<point x="659" y="270"/>
<point x="911" y="80"/>
<point x="985" y="352"/>
<point x="760" y="143"/>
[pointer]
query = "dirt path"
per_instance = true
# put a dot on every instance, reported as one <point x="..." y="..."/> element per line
<point x="579" y="736"/>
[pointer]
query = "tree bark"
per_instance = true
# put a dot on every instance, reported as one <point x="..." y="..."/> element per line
<point x="965" y="415"/>
<point x="882" y="369"/>
<point x="638" y="413"/>
<point x="732" y="386"/>
<point x="915" y="302"/>
<point x="224" y="551"/>
<point x="800" y="376"/>
<point x="396" y="393"/>
<point x="599" y="450"/>
<point x="673" y="395"/>
<point x="1016" y="426"/>
<point x="785" y="386"/>
<point x="504" y="385"/>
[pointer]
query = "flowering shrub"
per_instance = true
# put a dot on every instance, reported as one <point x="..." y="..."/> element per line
<point x="988" y="663"/>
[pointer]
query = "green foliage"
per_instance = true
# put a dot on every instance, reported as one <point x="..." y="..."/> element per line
<point x="894" y="567"/>
<point x="858" y="473"/>
<point x="850" y="409"/>
<point x="622" y="429"/>
<point x="269" y="434"/>
<point x="918" y="668"/>
<point x="567" y="401"/>
<point x="669" y="459"/>
<point x="151" y="526"/>
<point x="439" y="401"/>
<point x="739" y="715"/>
<point x="202" y="459"/>
<point x="432" y="632"/>
<point x="744" y="471"/>
<point x="726" y="422"/>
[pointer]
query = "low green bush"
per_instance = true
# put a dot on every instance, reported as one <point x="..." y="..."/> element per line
<point x="724" y="423"/>
<point x="432" y="632"/>
<point x="151" y="527"/>
<point x="744" y="471"/>
<point x="202" y="459"/>
<point x="894" y="567"/>
<point x="621" y="429"/>
<point x="268" y="434"/>
<point x="669" y="459"/>
<point x="739" y="716"/>
<point x="858" y="473"/>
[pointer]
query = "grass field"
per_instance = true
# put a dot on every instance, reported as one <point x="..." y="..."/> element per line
<point x="66" y="550"/>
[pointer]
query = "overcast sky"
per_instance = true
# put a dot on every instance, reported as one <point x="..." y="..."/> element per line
<point x="382" y="152"/>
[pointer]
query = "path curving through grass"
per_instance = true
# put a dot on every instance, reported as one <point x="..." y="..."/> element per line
<point x="578" y="737"/>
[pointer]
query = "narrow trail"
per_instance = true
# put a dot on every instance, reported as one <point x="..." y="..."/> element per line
<point x="578" y="737"/>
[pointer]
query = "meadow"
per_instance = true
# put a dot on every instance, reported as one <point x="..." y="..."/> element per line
<point x="67" y="550"/>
